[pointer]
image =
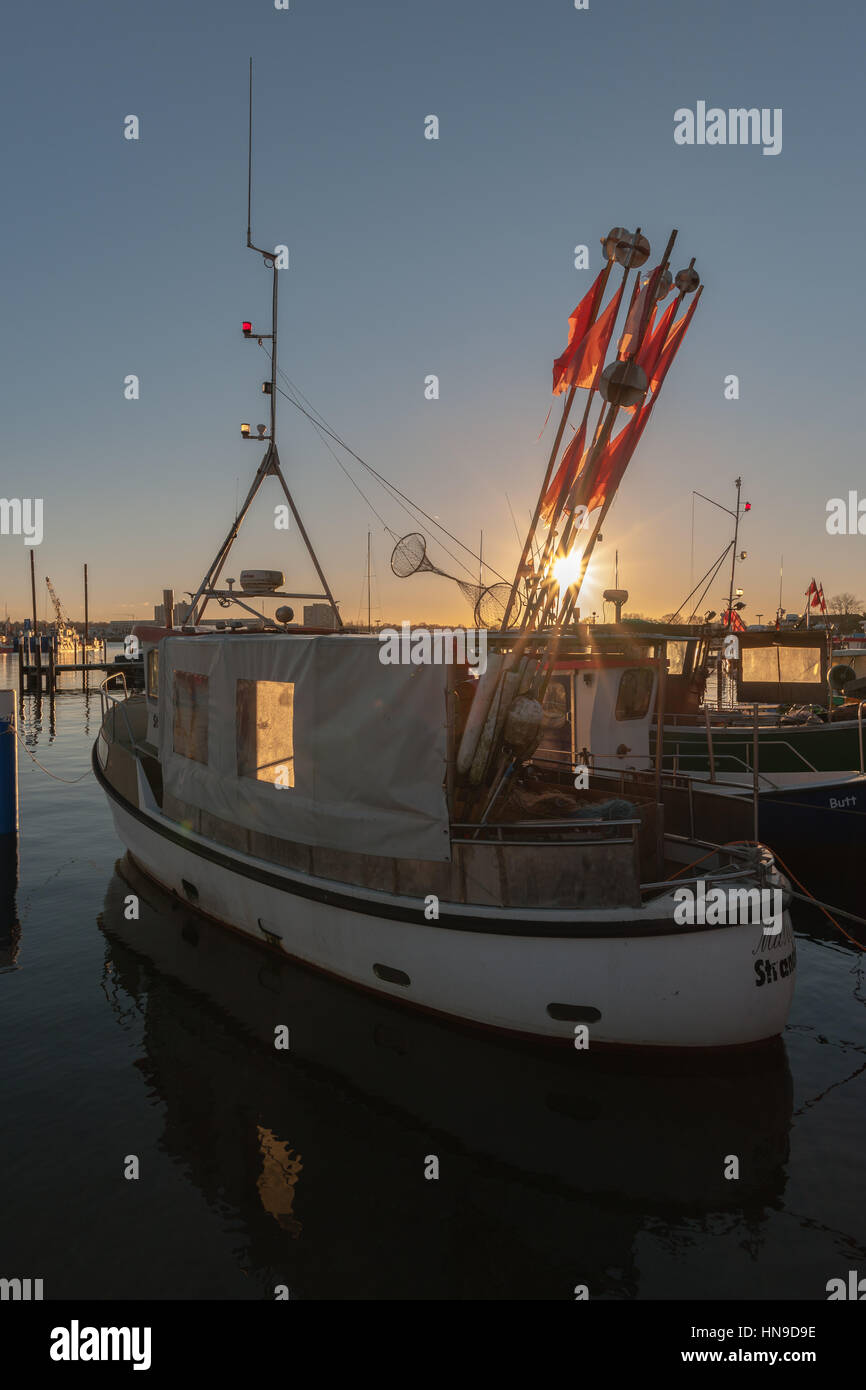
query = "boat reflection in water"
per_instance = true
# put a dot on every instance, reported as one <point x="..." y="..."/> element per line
<point x="551" y="1164"/>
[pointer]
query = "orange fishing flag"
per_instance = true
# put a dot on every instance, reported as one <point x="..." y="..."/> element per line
<point x="565" y="474"/>
<point x="671" y="347"/>
<point x="653" y="345"/>
<point x="636" y="294"/>
<point x="601" y="480"/>
<point x="579" y="325"/>
<point x="644" y="291"/>
<point x="731" y="618"/>
<point x="587" y="361"/>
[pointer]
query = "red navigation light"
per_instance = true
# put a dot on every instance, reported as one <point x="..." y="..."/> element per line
<point x="748" y="507"/>
<point x="247" y="327"/>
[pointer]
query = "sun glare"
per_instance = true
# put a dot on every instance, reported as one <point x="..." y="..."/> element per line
<point x="566" y="570"/>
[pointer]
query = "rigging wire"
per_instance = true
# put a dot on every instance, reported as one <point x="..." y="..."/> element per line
<point x="711" y="580"/>
<point x="321" y="424"/>
<point x="319" y="430"/>
<point x="406" y="503"/>
<point x="714" y="567"/>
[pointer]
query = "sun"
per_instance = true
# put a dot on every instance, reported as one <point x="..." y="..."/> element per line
<point x="566" y="570"/>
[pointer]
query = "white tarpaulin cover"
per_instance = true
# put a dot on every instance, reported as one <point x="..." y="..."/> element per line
<point x="309" y="738"/>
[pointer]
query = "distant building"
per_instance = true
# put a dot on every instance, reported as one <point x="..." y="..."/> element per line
<point x="181" y="613"/>
<point x="319" y="615"/>
<point x="117" y="628"/>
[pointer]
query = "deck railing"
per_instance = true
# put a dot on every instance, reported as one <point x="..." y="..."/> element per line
<point x="579" y="827"/>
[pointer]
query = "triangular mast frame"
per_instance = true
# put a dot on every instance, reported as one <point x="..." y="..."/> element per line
<point x="270" y="464"/>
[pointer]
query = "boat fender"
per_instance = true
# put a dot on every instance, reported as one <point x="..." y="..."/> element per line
<point x="478" y="713"/>
<point x="524" y="724"/>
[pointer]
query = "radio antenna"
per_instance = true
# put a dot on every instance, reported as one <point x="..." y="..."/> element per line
<point x="250" y="164"/>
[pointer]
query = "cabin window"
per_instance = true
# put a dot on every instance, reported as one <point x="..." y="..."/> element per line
<point x="153" y="673"/>
<point x="785" y="665"/>
<point x="635" y="693"/>
<point x="265" y="731"/>
<point x="556" y="704"/>
<point x="189" y="734"/>
<point x="676" y="654"/>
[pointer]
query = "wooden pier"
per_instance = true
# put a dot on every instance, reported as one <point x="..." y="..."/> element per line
<point x="39" y="669"/>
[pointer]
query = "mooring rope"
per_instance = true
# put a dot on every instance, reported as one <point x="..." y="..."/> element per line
<point x="779" y="860"/>
<point x="70" y="781"/>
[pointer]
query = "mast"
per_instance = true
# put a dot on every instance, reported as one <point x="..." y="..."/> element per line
<point x="270" y="464"/>
<point x="739" y="483"/>
<point x="369" y="592"/>
<point x="33" y="593"/>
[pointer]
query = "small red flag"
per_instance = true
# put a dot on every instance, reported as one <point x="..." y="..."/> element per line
<point x="578" y="326"/>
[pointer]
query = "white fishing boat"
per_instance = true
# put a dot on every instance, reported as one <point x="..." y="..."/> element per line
<point x="294" y="788"/>
<point x="385" y="822"/>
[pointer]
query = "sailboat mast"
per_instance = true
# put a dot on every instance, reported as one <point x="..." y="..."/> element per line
<point x="369" y="592"/>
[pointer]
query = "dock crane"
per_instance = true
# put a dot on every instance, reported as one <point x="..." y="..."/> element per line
<point x="62" y="619"/>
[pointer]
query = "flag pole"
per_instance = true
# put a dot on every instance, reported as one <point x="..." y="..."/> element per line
<point x="536" y="595"/>
<point x="597" y="449"/>
<point x="527" y="545"/>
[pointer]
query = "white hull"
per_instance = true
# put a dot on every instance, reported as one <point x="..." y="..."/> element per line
<point x="648" y="985"/>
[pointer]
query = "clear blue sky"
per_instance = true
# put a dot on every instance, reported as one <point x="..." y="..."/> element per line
<point x="411" y="257"/>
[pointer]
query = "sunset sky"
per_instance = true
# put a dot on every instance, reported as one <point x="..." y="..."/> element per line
<point x="410" y="257"/>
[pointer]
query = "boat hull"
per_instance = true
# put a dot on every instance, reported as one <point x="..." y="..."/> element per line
<point x="785" y="748"/>
<point x="631" y="975"/>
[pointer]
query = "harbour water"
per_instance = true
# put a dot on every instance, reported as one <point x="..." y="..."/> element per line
<point x="311" y="1167"/>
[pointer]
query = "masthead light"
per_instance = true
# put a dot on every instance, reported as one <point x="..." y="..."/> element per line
<point x="245" y="431"/>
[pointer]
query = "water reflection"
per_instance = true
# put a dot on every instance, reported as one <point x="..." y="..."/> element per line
<point x="10" y="926"/>
<point x="551" y="1162"/>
